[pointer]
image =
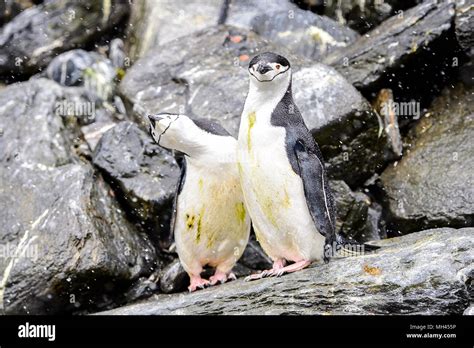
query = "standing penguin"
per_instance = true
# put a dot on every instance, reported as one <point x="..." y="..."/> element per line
<point x="210" y="222"/>
<point x="282" y="172"/>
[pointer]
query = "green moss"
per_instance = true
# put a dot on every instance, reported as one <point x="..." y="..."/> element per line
<point x="199" y="225"/>
<point x="240" y="211"/>
<point x="252" y="118"/>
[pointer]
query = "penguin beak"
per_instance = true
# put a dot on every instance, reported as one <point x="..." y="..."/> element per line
<point x="263" y="68"/>
<point x="153" y="119"/>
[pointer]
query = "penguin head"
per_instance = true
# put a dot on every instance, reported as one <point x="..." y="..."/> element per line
<point x="171" y="131"/>
<point x="269" y="69"/>
<point x="193" y="137"/>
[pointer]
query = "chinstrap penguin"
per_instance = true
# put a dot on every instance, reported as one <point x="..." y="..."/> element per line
<point x="282" y="172"/>
<point x="210" y="222"/>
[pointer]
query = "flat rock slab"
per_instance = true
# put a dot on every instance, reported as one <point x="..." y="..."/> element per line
<point x="428" y="272"/>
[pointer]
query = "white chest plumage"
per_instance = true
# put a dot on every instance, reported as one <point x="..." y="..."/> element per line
<point x="212" y="224"/>
<point x="273" y="192"/>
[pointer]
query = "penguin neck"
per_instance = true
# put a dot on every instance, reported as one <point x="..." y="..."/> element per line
<point x="219" y="152"/>
<point x="266" y="96"/>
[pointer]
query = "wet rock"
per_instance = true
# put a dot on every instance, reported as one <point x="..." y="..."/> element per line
<point x="142" y="288"/>
<point x="12" y="8"/>
<point x="158" y="22"/>
<point x="174" y="278"/>
<point x="365" y="15"/>
<point x="32" y="124"/>
<point x="432" y="185"/>
<point x="421" y="273"/>
<point x="94" y="132"/>
<point x="144" y="175"/>
<point x="74" y="249"/>
<point x="388" y="56"/>
<point x="213" y="83"/>
<point x="243" y="13"/>
<point x="342" y="122"/>
<point x="304" y="32"/>
<point x="68" y="68"/>
<point x="464" y="26"/>
<point x="204" y="74"/>
<point x="34" y="37"/>
<point x="357" y="215"/>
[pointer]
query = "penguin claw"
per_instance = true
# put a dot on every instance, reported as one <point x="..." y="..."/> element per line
<point x="198" y="283"/>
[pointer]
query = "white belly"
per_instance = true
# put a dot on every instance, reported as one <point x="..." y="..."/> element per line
<point x="274" y="194"/>
<point x="212" y="224"/>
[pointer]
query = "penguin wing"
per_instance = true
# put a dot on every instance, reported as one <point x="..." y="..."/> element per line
<point x="316" y="188"/>
<point x="179" y="188"/>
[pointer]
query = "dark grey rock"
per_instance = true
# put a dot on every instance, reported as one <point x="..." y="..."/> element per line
<point x="342" y="122"/>
<point x="365" y="15"/>
<point x="304" y="32"/>
<point x="174" y="278"/>
<point x="67" y="68"/>
<point x="464" y="25"/>
<point x="142" y="288"/>
<point x="421" y="273"/>
<point x="158" y="22"/>
<point x="31" y="123"/>
<point x="203" y="74"/>
<point x="144" y="174"/>
<point x="388" y="56"/>
<point x="433" y="184"/>
<point x="242" y="13"/>
<point x="34" y="37"/>
<point x="206" y="75"/>
<point x="74" y="249"/>
<point x="357" y="215"/>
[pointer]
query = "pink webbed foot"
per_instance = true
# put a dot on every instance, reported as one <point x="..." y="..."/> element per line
<point x="279" y="269"/>
<point x="221" y="277"/>
<point x="278" y="264"/>
<point x="197" y="283"/>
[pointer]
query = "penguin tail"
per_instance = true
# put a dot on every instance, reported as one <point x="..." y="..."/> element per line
<point x="344" y="247"/>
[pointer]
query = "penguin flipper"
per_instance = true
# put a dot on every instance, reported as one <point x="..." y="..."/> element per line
<point x="174" y="209"/>
<point x="316" y="188"/>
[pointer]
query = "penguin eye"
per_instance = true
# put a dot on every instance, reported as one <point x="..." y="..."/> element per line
<point x="277" y="66"/>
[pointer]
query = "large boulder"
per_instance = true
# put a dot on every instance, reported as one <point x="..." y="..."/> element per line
<point x="304" y="32"/>
<point x="144" y="175"/>
<point x="433" y="184"/>
<point x="71" y="247"/>
<point x="411" y="53"/>
<point x="429" y="272"/>
<point x="31" y="124"/>
<point x="203" y="74"/>
<point x="34" y="37"/>
<point x="213" y="83"/>
<point x="342" y="122"/>
<point x="157" y="22"/>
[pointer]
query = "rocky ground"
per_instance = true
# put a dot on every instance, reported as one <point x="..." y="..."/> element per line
<point x="85" y="195"/>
